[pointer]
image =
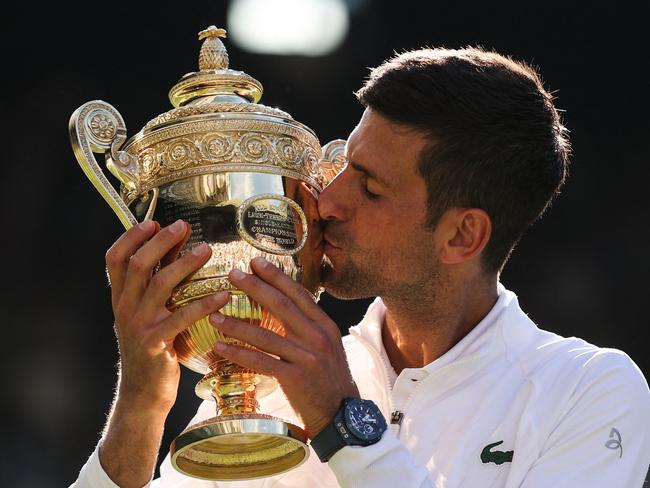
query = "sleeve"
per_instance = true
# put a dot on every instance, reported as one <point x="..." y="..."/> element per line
<point x="92" y="475"/>
<point x="384" y="464"/>
<point x="603" y="439"/>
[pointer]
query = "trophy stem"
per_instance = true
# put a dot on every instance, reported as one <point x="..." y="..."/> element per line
<point x="235" y="393"/>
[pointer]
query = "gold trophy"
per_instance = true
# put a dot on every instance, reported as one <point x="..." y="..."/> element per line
<point x="246" y="177"/>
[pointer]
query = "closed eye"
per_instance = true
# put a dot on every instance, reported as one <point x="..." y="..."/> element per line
<point x="369" y="194"/>
<point x="366" y="190"/>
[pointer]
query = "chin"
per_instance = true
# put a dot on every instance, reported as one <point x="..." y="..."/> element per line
<point x="345" y="287"/>
<point x="337" y="293"/>
<point x="346" y="293"/>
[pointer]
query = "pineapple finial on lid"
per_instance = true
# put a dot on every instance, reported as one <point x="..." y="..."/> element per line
<point x="214" y="81"/>
<point x="213" y="55"/>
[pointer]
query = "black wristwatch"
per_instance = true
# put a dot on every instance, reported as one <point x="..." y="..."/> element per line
<point x="358" y="423"/>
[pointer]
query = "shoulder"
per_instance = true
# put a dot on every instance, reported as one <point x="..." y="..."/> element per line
<point x="569" y="372"/>
<point x="571" y="362"/>
<point x="544" y="357"/>
<point x="572" y="380"/>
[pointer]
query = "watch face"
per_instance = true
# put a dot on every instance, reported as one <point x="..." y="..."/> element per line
<point x="364" y="420"/>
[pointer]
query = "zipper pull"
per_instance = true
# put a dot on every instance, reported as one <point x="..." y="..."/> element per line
<point x="396" y="417"/>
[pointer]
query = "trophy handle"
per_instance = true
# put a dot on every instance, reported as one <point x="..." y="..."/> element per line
<point x="333" y="161"/>
<point x="97" y="127"/>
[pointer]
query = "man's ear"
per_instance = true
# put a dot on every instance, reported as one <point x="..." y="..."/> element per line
<point x="464" y="232"/>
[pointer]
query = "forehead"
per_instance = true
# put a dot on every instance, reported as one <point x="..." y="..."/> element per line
<point x="390" y="150"/>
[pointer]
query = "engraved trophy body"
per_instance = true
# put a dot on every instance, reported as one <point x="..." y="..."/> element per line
<point x="246" y="177"/>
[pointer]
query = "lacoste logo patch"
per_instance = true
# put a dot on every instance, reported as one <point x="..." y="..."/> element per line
<point x="496" y="457"/>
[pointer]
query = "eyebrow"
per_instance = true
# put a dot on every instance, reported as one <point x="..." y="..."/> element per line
<point x="369" y="173"/>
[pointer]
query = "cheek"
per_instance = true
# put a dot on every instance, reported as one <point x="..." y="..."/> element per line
<point x="397" y="237"/>
<point x="371" y="228"/>
<point x="390" y="221"/>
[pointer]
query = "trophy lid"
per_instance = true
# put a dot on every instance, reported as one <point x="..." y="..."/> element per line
<point x="214" y="78"/>
<point x="216" y="125"/>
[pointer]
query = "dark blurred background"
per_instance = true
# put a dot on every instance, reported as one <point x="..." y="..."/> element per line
<point x="583" y="270"/>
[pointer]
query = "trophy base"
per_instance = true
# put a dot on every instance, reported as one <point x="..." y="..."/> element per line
<point x="239" y="447"/>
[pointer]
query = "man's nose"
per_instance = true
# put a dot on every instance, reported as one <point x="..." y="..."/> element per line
<point x="331" y="200"/>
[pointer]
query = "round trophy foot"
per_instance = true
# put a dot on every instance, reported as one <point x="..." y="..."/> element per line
<point x="239" y="447"/>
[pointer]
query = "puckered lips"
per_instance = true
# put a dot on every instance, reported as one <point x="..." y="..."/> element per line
<point x="329" y="245"/>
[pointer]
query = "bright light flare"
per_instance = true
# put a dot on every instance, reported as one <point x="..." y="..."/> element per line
<point x="295" y="27"/>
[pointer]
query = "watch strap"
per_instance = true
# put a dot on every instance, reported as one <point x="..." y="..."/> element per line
<point x="328" y="441"/>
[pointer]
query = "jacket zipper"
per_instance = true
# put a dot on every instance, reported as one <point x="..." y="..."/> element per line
<point x="395" y="415"/>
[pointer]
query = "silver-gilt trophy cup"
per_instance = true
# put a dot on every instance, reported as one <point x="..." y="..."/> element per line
<point x="247" y="178"/>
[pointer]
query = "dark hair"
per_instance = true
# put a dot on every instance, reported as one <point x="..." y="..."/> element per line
<point x="496" y="140"/>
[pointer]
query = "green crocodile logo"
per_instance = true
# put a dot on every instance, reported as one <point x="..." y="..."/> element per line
<point x="496" y="457"/>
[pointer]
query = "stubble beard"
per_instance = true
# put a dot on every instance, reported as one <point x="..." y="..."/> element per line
<point x="349" y="278"/>
<point x="364" y="277"/>
<point x="347" y="282"/>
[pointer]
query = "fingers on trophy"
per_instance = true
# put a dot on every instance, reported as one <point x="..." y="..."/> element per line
<point x="246" y="177"/>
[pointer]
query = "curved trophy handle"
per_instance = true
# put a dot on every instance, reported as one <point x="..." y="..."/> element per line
<point x="333" y="161"/>
<point x="98" y="127"/>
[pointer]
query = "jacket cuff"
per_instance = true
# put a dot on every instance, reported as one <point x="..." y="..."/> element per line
<point x="386" y="463"/>
<point x="92" y="475"/>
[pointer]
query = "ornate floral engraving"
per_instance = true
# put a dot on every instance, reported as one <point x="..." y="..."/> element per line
<point x="255" y="148"/>
<point x="289" y="150"/>
<point x="333" y="161"/>
<point x="269" y="147"/>
<point x="197" y="289"/>
<point x="150" y="162"/>
<point x="179" y="154"/>
<point x="102" y="125"/>
<point x="218" y="146"/>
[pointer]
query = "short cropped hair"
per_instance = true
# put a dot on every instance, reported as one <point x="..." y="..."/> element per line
<point x="496" y="140"/>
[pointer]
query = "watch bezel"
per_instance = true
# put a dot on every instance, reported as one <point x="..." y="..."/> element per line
<point x="369" y="406"/>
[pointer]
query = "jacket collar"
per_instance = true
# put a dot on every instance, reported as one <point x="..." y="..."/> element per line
<point x="495" y="333"/>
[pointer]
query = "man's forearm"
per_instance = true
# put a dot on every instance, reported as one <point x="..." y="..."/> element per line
<point x="129" y="447"/>
<point x="146" y="330"/>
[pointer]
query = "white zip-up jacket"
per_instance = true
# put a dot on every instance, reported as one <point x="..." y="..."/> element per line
<point x="509" y="406"/>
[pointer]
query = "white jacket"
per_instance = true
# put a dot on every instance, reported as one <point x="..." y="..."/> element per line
<point x="573" y="415"/>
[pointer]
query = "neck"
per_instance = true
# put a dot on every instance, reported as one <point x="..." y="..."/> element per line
<point x="414" y="335"/>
